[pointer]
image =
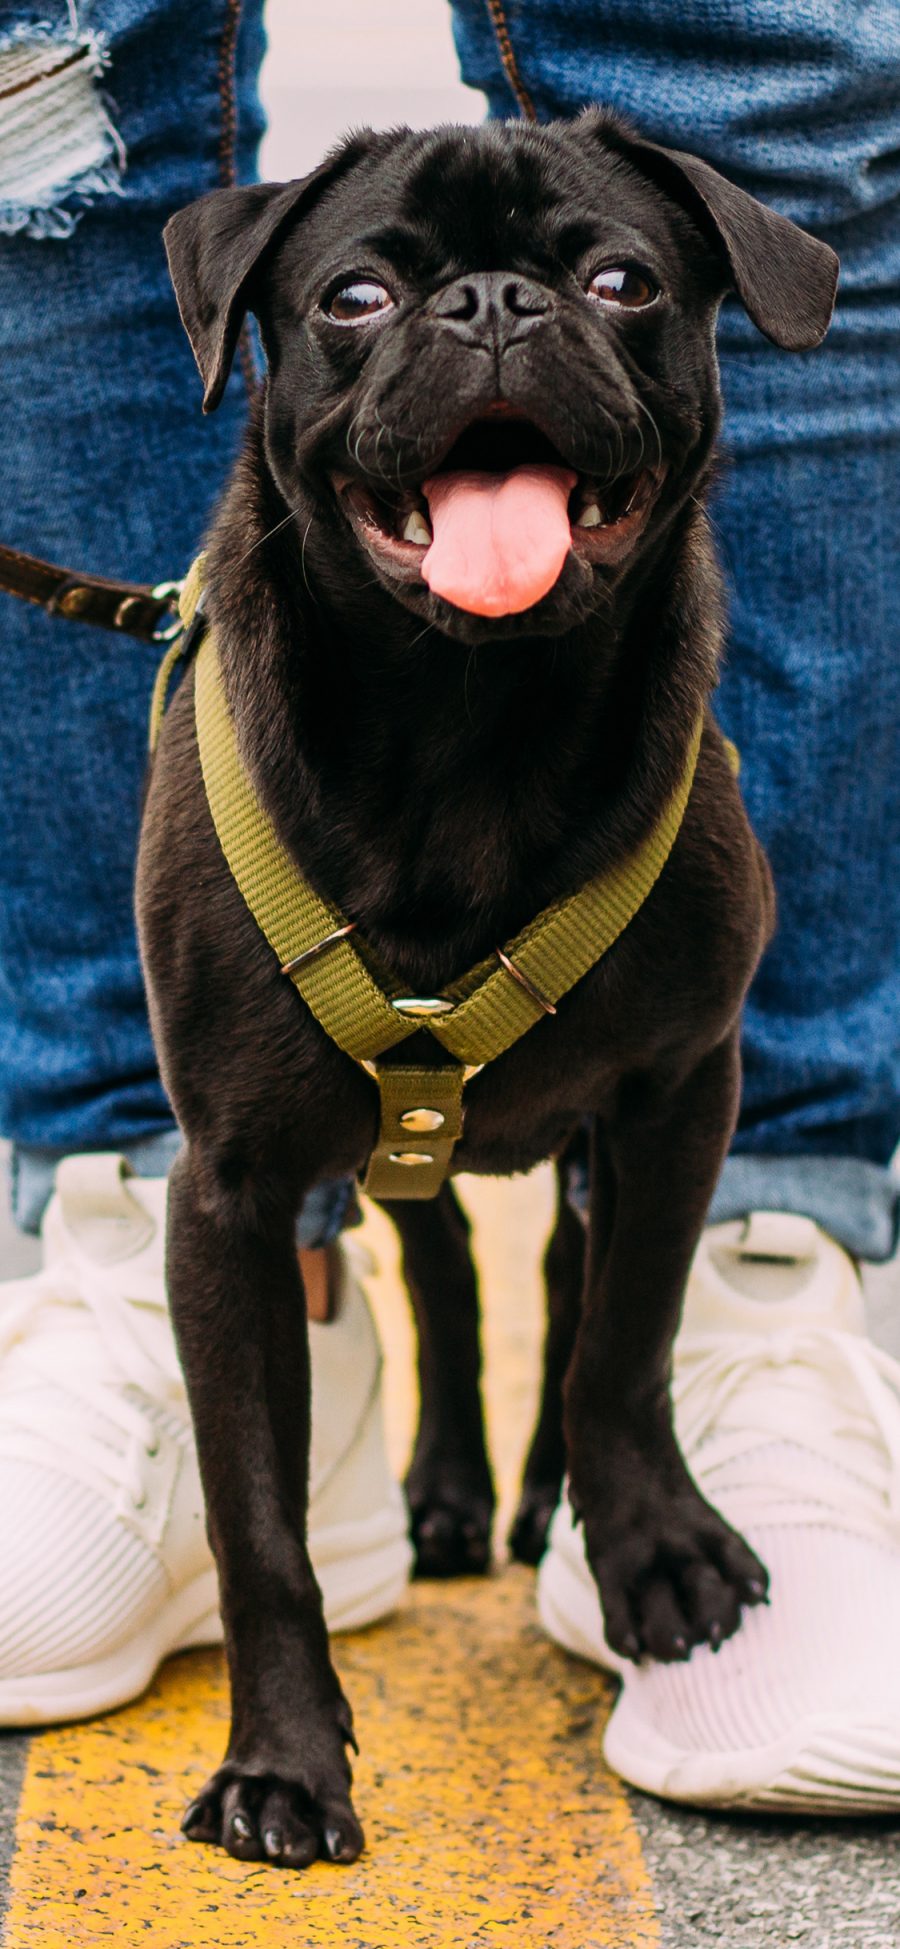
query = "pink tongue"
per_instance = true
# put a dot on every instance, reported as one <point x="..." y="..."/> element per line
<point x="500" y="540"/>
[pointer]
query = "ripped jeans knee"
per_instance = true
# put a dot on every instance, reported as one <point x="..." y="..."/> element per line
<point x="59" y="146"/>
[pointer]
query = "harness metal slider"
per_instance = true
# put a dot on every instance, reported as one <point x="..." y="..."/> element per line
<point x="320" y="947"/>
<point x="523" y="981"/>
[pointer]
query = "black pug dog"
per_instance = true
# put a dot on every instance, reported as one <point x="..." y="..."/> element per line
<point x="446" y="747"/>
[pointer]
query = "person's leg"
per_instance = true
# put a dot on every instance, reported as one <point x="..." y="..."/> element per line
<point x="802" y="107"/>
<point x="786" y="1413"/>
<point x="106" y="465"/>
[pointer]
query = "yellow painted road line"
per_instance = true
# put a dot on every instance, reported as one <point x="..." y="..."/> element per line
<point x="489" y="1816"/>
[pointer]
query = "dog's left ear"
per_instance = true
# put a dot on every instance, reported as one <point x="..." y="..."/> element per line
<point x="215" y="246"/>
<point x="785" y="279"/>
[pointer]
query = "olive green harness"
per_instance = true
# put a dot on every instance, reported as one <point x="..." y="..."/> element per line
<point x="474" y="1019"/>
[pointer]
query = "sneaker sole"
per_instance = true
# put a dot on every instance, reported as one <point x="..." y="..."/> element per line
<point x="823" y="1765"/>
<point x="362" y="1568"/>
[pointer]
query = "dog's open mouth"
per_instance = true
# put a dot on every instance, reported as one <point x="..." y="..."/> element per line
<point x="490" y="528"/>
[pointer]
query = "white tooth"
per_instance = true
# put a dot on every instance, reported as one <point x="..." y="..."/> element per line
<point x="417" y="528"/>
<point x="590" y="516"/>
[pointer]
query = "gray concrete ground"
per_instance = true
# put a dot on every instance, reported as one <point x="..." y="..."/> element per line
<point x="767" y="1884"/>
<point x="13" y="1753"/>
<point x="719" y="1883"/>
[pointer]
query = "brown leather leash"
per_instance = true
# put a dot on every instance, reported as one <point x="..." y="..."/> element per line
<point x="128" y="608"/>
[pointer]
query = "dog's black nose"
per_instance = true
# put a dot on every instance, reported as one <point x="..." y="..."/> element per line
<point x="493" y="309"/>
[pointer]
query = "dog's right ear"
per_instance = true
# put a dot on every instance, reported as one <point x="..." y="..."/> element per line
<point x="215" y="246"/>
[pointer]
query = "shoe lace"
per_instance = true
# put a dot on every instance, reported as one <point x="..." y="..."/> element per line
<point x="77" y="1354"/>
<point x="829" y="1396"/>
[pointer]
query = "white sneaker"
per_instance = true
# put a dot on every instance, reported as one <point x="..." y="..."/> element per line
<point x="106" y="1566"/>
<point x="789" y="1419"/>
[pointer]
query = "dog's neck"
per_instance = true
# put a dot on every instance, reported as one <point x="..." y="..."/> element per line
<point x="441" y="794"/>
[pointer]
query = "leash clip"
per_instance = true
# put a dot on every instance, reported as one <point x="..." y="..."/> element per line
<point x="170" y="592"/>
<point x="133" y="606"/>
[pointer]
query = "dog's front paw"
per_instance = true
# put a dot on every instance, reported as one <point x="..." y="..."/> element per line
<point x="265" y="1818"/>
<point x="672" y="1574"/>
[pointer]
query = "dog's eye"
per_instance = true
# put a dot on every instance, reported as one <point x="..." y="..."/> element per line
<point x="355" y="302"/>
<point x="619" y="284"/>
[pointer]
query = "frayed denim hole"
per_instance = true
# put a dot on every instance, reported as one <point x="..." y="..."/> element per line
<point x="59" y="148"/>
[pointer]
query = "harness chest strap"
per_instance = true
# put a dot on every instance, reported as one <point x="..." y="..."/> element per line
<point x="474" y="1020"/>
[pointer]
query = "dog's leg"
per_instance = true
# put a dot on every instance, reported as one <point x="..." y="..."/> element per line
<point x="449" y="1486"/>
<point x="670" y="1571"/>
<point x="546" y="1461"/>
<point x="282" y="1792"/>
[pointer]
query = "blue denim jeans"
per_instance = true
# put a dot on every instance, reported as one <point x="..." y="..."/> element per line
<point x="800" y="103"/>
<point x="107" y="464"/>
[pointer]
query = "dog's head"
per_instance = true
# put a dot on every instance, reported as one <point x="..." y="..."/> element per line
<point x="491" y="363"/>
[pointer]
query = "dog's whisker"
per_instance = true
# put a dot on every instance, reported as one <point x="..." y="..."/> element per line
<point x="656" y="432"/>
<point x="422" y="632"/>
<point x="353" y="445"/>
<point x="290" y="516"/>
<point x="357" y="419"/>
<point x="618" y="450"/>
<point x="306" y="579"/>
<point x="378" y="439"/>
<point x="393" y="445"/>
